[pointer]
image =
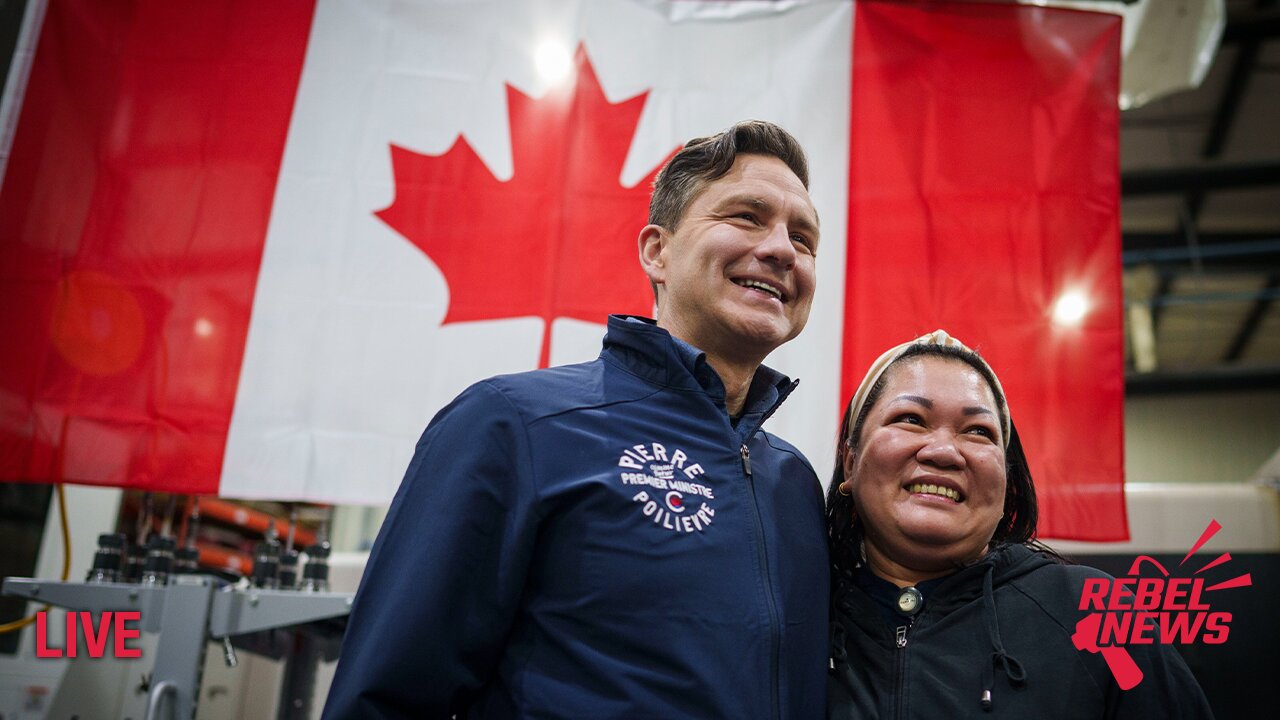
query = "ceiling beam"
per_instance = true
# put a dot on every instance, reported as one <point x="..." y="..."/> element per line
<point x="1215" y="380"/>
<point x="1211" y="298"/>
<point x="1249" y="327"/>
<point x="1246" y="253"/>
<point x="1237" y="83"/>
<point x="1199" y="178"/>
<point x="1159" y="240"/>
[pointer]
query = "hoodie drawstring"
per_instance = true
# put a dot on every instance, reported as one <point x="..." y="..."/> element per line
<point x="1008" y="663"/>
<point x="839" y="654"/>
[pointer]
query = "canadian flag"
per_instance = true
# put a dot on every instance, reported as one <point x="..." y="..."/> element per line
<point x="251" y="248"/>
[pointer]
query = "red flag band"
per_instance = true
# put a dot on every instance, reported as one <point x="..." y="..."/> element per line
<point x="983" y="187"/>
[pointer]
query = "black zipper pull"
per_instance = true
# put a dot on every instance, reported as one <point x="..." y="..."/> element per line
<point x="746" y="460"/>
<point x="902" y="635"/>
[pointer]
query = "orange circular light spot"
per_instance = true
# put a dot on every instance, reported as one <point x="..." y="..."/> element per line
<point x="97" y="323"/>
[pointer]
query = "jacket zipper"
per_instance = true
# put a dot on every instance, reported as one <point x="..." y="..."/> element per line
<point x="900" y="666"/>
<point x="774" y="634"/>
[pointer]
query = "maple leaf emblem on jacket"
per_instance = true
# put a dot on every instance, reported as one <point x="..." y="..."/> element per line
<point x="557" y="240"/>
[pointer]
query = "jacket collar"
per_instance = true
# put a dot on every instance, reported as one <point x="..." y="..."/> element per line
<point x="652" y="353"/>
<point x="946" y="593"/>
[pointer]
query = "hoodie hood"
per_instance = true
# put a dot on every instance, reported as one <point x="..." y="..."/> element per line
<point x="1004" y="564"/>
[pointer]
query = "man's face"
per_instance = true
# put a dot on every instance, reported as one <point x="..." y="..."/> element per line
<point x="736" y="278"/>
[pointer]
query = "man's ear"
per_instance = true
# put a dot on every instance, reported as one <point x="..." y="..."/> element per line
<point x="653" y="256"/>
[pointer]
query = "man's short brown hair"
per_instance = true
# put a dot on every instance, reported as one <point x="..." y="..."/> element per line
<point x="705" y="159"/>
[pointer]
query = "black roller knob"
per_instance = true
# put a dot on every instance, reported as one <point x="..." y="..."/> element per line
<point x="315" y="576"/>
<point x="266" y="564"/>
<point x="289" y="570"/>
<point x="159" y="561"/>
<point x="108" y="561"/>
<point x="186" y="561"/>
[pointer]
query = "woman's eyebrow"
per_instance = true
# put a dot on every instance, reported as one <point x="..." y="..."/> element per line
<point x="917" y="399"/>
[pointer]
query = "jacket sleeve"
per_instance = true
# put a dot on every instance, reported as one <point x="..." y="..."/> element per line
<point x="444" y="578"/>
<point x="1168" y="689"/>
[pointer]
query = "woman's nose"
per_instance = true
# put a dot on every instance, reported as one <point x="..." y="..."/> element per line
<point x="940" y="450"/>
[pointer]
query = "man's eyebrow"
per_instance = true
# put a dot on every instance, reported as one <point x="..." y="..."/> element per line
<point x="753" y="200"/>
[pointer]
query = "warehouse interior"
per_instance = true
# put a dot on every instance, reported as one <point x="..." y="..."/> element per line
<point x="1200" y="217"/>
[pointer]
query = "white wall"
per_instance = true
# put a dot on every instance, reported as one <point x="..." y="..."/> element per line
<point x="1202" y="437"/>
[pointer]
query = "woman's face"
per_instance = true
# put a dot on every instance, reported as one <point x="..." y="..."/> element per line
<point x="928" y="473"/>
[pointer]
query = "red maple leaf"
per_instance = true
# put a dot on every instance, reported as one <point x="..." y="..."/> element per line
<point x="556" y="240"/>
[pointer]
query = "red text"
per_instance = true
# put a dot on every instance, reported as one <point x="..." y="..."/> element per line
<point x="110" y="625"/>
<point x="1131" y="593"/>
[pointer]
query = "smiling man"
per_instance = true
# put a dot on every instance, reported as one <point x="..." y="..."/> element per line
<point x="621" y="538"/>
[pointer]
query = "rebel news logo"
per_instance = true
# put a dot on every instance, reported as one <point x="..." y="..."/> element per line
<point x="1138" y="610"/>
<point x="667" y="490"/>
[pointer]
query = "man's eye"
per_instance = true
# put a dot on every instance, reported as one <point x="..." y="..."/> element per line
<point x="749" y="217"/>
<point x="802" y="241"/>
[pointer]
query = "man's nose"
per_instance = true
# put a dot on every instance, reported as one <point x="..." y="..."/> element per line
<point x="777" y="246"/>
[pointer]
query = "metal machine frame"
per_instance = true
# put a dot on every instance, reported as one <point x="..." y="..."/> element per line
<point x="188" y="613"/>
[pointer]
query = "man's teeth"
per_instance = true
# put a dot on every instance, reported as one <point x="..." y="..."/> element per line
<point x="945" y="492"/>
<point x="760" y="286"/>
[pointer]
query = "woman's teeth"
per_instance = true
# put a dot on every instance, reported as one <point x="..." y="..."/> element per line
<point x="926" y="489"/>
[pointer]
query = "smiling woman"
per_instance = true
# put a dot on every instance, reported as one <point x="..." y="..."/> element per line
<point x="931" y="520"/>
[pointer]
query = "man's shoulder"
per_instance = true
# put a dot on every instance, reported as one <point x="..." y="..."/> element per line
<point x="786" y="449"/>
<point x="554" y="390"/>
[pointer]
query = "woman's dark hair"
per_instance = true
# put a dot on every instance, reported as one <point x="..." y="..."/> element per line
<point x="1016" y="526"/>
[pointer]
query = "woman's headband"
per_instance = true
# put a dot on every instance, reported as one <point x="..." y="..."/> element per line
<point x="882" y="363"/>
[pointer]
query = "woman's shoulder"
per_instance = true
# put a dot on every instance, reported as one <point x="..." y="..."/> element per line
<point x="1052" y="584"/>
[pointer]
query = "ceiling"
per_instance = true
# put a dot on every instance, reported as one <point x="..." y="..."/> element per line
<point x="1200" y="214"/>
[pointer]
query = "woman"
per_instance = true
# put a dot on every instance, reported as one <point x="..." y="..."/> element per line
<point x="943" y="603"/>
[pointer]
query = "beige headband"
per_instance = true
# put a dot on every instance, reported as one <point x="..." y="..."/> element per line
<point x="937" y="337"/>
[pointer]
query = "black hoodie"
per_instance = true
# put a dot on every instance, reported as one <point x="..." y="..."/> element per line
<point x="1004" y="625"/>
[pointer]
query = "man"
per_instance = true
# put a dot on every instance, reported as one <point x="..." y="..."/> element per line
<point x="620" y="539"/>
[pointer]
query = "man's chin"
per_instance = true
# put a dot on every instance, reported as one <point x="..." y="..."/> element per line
<point x="762" y="336"/>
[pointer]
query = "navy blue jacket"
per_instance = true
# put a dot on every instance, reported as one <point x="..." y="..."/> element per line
<point x="597" y="540"/>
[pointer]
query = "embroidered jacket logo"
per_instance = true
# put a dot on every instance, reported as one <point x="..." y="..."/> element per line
<point x="665" y="486"/>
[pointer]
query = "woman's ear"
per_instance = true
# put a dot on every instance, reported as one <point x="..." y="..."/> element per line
<point x="848" y="462"/>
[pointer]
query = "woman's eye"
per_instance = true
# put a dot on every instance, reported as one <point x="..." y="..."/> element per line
<point x="985" y="432"/>
<point x="910" y="418"/>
